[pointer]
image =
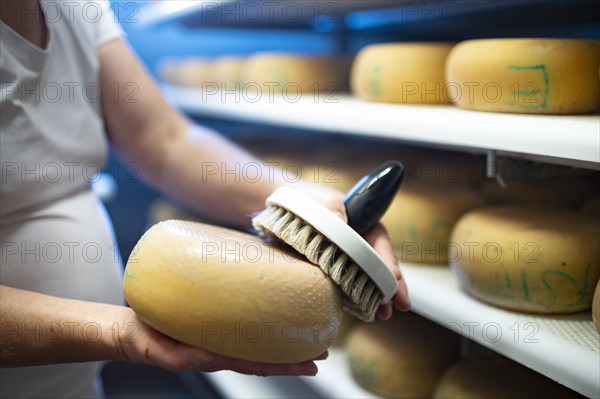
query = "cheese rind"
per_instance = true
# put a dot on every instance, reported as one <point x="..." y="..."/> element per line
<point x="532" y="259"/>
<point x="228" y="72"/>
<point x="496" y="379"/>
<point x="408" y="73"/>
<point x="228" y="293"/>
<point x="294" y="75"/>
<point x="538" y="76"/>
<point x="402" y="357"/>
<point x="596" y="307"/>
<point x="421" y="218"/>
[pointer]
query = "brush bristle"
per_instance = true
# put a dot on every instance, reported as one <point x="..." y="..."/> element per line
<point x="362" y="297"/>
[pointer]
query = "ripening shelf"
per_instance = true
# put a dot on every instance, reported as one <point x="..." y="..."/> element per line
<point x="570" y="140"/>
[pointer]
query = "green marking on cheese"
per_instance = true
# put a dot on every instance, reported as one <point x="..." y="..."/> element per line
<point x="545" y="91"/>
<point x="524" y="284"/>
<point x="128" y="274"/>
<point x="507" y="279"/>
<point x="373" y="77"/>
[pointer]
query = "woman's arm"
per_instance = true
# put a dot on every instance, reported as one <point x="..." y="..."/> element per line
<point x="38" y="329"/>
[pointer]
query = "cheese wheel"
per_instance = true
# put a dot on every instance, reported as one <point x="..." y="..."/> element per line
<point x="531" y="259"/>
<point x="293" y="75"/>
<point x="408" y="73"/>
<point x="349" y="322"/>
<point x="230" y="294"/>
<point x="228" y="72"/>
<point x="592" y="206"/>
<point x="195" y="72"/>
<point x="421" y="218"/>
<point x="401" y="358"/>
<point x="596" y="307"/>
<point x="562" y="193"/>
<point x="496" y="379"/>
<point x="539" y="76"/>
<point x="168" y="72"/>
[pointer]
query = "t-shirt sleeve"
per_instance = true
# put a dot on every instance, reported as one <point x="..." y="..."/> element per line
<point x="107" y="27"/>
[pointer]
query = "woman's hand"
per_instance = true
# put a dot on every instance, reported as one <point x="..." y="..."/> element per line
<point x="376" y="236"/>
<point x="143" y="344"/>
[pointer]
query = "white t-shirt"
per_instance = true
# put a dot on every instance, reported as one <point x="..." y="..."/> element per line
<point x="56" y="237"/>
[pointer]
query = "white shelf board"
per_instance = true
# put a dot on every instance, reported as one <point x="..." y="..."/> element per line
<point x="564" y="348"/>
<point x="572" y="138"/>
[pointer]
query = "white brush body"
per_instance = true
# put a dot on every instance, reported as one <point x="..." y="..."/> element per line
<point x="335" y="247"/>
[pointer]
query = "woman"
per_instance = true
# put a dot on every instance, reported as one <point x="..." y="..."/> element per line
<point x="71" y="87"/>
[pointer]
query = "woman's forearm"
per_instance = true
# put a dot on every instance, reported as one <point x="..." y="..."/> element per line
<point x="40" y="329"/>
<point x="211" y="175"/>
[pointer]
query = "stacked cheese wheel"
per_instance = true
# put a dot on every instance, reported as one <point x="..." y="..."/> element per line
<point x="329" y="161"/>
<point x="421" y="218"/>
<point x="228" y="72"/>
<point x="525" y="258"/>
<point x="401" y="358"/>
<point x="496" y="378"/>
<point x="193" y="72"/>
<point x="293" y="75"/>
<point x="541" y="76"/>
<point x="596" y="307"/>
<point x="408" y="73"/>
<point x="266" y="73"/>
<point x="230" y="294"/>
<point x="205" y="73"/>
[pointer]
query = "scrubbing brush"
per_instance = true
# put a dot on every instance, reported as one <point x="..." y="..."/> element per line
<point x="336" y="247"/>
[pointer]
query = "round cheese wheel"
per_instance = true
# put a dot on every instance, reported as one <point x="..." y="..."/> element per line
<point x="496" y="379"/>
<point x="531" y="259"/>
<point x="592" y="206"/>
<point x="349" y="322"/>
<point x="195" y="72"/>
<point x="408" y="73"/>
<point x="293" y="75"/>
<point x="168" y="71"/>
<point x="562" y="193"/>
<point x="596" y="307"/>
<point x="539" y="76"/>
<point x="228" y="72"/>
<point x="421" y="218"/>
<point x="401" y="358"/>
<point x="228" y="293"/>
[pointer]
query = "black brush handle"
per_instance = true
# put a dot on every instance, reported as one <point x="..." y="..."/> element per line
<point x="368" y="200"/>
